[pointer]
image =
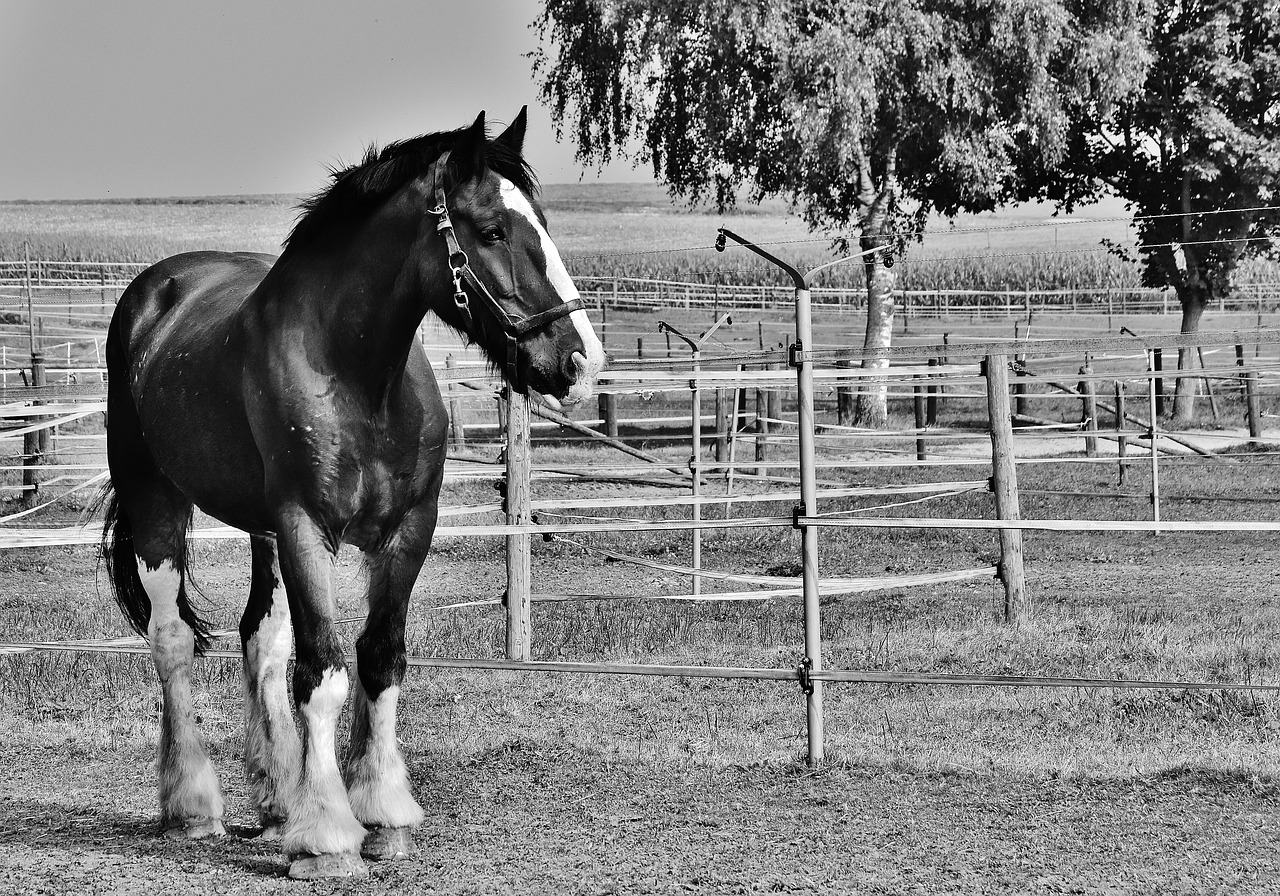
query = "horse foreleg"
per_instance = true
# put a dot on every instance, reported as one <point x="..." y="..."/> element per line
<point x="190" y="799"/>
<point x="321" y="835"/>
<point x="272" y="750"/>
<point x="377" y="780"/>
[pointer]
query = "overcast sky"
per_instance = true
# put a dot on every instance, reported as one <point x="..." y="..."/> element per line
<point x="135" y="98"/>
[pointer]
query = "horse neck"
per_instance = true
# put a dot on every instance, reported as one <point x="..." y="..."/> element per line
<point x="361" y="299"/>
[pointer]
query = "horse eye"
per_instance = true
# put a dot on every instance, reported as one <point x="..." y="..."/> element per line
<point x="492" y="234"/>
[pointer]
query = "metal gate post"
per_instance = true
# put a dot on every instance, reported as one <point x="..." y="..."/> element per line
<point x="809" y="534"/>
<point x="801" y="357"/>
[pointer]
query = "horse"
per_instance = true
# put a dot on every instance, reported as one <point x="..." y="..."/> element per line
<point x="290" y="397"/>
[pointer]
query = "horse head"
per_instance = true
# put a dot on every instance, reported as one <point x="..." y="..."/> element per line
<point x="512" y="293"/>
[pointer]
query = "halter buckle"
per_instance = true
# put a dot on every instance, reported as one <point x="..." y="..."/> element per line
<point x="459" y="294"/>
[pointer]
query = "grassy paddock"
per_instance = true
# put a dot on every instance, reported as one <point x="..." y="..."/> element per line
<point x="1185" y="606"/>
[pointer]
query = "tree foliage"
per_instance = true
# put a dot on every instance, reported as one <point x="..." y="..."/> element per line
<point x="1196" y="152"/>
<point x="801" y="98"/>
<point x="867" y="116"/>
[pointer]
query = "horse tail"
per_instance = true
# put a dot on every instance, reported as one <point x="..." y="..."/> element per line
<point x="122" y="564"/>
<point x="122" y="572"/>
<point x="117" y="547"/>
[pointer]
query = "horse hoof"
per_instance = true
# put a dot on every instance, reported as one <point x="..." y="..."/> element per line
<point x="195" y="829"/>
<point x="332" y="864"/>
<point x="272" y="826"/>
<point x="388" y="844"/>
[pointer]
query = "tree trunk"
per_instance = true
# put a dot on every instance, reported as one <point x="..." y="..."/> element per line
<point x="873" y="394"/>
<point x="1194" y="300"/>
<point x="867" y="403"/>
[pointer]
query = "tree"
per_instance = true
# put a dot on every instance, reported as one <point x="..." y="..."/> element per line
<point x="866" y="116"/>
<point x="1196" y="153"/>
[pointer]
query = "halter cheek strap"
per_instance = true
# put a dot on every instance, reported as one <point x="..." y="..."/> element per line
<point x="464" y="279"/>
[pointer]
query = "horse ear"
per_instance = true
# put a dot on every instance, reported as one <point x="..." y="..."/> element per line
<point x="472" y="145"/>
<point x="513" y="136"/>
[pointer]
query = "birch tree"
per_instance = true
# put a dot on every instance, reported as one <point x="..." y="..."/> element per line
<point x="867" y="117"/>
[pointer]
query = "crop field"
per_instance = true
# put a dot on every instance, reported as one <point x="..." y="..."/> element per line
<point x="559" y="783"/>
<point x="628" y="230"/>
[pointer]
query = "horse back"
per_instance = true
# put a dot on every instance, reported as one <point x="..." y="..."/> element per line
<point x="157" y="292"/>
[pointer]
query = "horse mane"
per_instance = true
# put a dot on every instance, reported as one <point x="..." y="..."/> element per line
<point x="355" y="191"/>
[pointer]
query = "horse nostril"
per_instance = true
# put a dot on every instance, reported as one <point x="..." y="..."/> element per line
<point x="571" y="366"/>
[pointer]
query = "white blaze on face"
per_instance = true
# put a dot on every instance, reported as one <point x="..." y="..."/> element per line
<point x="593" y="352"/>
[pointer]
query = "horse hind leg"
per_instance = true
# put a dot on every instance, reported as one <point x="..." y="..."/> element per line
<point x="190" y="799"/>
<point x="272" y="749"/>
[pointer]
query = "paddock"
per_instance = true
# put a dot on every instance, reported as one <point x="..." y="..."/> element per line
<point x="1139" y="678"/>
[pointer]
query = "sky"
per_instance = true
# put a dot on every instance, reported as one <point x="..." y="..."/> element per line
<point x="152" y="98"/>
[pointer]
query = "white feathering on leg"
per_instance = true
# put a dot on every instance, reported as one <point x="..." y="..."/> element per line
<point x="190" y="798"/>
<point x="320" y="819"/>
<point x="377" y="780"/>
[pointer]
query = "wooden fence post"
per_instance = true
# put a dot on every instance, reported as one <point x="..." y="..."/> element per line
<point x="762" y="427"/>
<point x="1153" y="406"/>
<point x="1254" y="409"/>
<point x="1089" y="402"/>
<point x="1157" y="356"/>
<point x="918" y="401"/>
<point x="607" y="404"/>
<point x="1004" y="485"/>
<point x="695" y="470"/>
<point x="519" y="512"/>
<point x="774" y="401"/>
<point x="931" y="402"/>
<point x="458" y="429"/>
<point x="1122" y="441"/>
<point x="35" y="444"/>
<point x="724" y="413"/>
<point x="1020" y="390"/>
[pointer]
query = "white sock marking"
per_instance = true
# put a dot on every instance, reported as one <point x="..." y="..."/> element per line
<point x="320" y="820"/>
<point x="377" y="780"/>
<point x="188" y="784"/>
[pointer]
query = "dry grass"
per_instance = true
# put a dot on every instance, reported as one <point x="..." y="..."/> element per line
<point x="1178" y="607"/>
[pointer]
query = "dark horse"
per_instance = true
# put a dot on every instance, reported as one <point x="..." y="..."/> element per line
<point x="291" y="398"/>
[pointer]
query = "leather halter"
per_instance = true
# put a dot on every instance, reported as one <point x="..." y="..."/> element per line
<point x="464" y="278"/>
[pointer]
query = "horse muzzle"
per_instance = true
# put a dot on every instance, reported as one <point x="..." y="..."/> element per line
<point x="580" y="373"/>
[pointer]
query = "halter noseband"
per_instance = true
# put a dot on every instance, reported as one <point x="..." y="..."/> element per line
<point x="463" y="276"/>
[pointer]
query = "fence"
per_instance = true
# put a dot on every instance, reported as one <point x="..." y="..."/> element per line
<point x="995" y="375"/>
<point x="984" y="373"/>
<point x="642" y="294"/>
<point x="90" y="289"/>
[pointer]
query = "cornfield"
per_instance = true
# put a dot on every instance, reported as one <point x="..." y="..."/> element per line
<point x="624" y="230"/>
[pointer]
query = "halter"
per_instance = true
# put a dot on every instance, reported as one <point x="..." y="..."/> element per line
<point x="463" y="276"/>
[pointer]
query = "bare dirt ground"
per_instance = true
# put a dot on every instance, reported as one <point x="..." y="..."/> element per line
<point x="520" y="819"/>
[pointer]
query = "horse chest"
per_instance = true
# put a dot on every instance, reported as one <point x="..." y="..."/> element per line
<point x="366" y="493"/>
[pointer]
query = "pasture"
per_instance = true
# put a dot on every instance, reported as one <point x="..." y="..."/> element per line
<point x="558" y="783"/>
